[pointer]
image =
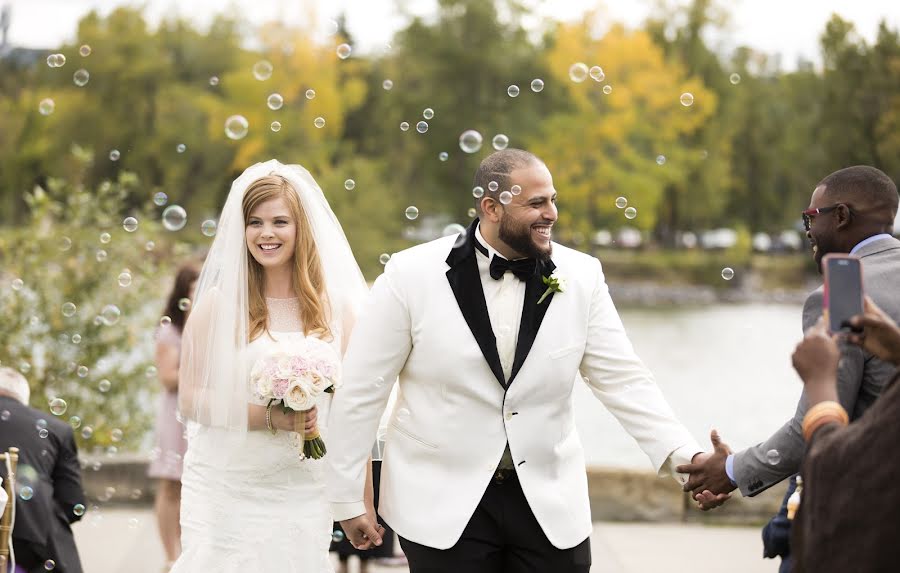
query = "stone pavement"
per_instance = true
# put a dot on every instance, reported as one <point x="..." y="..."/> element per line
<point x="124" y="540"/>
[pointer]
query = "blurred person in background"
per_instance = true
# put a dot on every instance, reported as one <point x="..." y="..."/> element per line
<point x="847" y="519"/>
<point x="171" y="445"/>
<point x="48" y="483"/>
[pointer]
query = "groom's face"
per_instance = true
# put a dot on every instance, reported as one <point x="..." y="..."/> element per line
<point x="527" y="221"/>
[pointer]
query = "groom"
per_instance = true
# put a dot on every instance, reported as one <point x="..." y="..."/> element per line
<point x="489" y="332"/>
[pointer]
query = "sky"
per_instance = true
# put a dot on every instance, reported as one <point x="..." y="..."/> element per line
<point x="788" y="27"/>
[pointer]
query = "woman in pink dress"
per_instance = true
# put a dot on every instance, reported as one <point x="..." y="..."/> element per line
<point x="166" y="462"/>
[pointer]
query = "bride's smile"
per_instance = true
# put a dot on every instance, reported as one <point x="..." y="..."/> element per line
<point x="271" y="233"/>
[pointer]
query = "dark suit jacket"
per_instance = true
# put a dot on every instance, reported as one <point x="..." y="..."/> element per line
<point x="861" y="376"/>
<point x="848" y="518"/>
<point x="49" y="466"/>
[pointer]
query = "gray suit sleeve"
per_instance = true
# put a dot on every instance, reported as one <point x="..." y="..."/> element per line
<point x="755" y="469"/>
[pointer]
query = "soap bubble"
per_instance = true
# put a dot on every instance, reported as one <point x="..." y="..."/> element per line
<point x="506" y="197"/>
<point x="275" y="126"/>
<point x="84" y="50"/>
<point x="735" y="79"/>
<point x="500" y="142"/>
<point x="596" y="73"/>
<point x="607" y="89"/>
<point x="275" y="101"/>
<point x="412" y="212"/>
<point x="384" y="258"/>
<point x="337" y="536"/>
<point x="208" y="228"/>
<point x="114" y="155"/>
<point x="443" y="156"/>
<point x="428" y="113"/>
<point x="727" y="273"/>
<point x="26" y="493"/>
<point x="101" y="255"/>
<point x="578" y="72"/>
<point x="262" y="70"/>
<point x="349" y="184"/>
<point x="81" y="77"/>
<point x="470" y="141"/>
<point x="214" y="81"/>
<point x="660" y="159"/>
<point x="387" y="85"/>
<point x="478" y="192"/>
<point x="104" y="385"/>
<point x="319" y="122"/>
<point x="630" y="213"/>
<point x="124" y="279"/>
<point x="537" y="85"/>
<point x="160" y="199"/>
<point x="69" y="309"/>
<point x="422" y="126"/>
<point x="512" y="91"/>
<point x="105" y="238"/>
<point x="310" y="94"/>
<point x="174" y="218"/>
<point x="130" y="224"/>
<point x="493" y="186"/>
<point x="184" y="304"/>
<point x="404" y="126"/>
<point x="180" y="148"/>
<point x="344" y="51"/>
<point x="236" y="127"/>
<point x="110" y="314"/>
<point x="773" y="457"/>
<point x="78" y="510"/>
<point x="515" y="189"/>
<point x="687" y="99"/>
<point x="46" y="106"/>
<point x="58" y="406"/>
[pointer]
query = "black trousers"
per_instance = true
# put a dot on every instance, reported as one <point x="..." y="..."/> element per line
<point x="502" y="536"/>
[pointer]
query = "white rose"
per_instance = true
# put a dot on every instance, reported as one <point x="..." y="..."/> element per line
<point x="560" y="281"/>
<point x="263" y="387"/>
<point x="300" y="395"/>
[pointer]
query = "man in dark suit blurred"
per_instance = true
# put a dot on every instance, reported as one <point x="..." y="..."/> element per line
<point x="48" y="480"/>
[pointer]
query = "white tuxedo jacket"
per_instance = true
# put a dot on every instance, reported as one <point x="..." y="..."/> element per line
<point x="426" y="321"/>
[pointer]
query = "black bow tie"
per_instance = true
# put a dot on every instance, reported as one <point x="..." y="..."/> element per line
<point x="522" y="268"/>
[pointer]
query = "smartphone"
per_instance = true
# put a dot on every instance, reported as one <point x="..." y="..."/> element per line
<point x="843" y="290"/>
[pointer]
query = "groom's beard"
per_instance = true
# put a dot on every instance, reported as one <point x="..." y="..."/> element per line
<point x="518" y="238"/>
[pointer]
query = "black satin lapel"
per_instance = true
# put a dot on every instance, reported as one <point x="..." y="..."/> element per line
<point x="532" y="315"/>
<point x="466" y="285"/>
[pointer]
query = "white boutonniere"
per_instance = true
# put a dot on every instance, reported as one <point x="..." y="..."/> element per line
<point x="555" y="283"/>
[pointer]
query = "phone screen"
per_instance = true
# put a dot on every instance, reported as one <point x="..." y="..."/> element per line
<point x="843" y="277"/>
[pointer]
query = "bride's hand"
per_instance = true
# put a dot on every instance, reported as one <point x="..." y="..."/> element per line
<point x="285" y="420"/>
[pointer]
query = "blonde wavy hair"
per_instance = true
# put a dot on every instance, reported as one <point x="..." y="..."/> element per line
<point x="308" y="280"/>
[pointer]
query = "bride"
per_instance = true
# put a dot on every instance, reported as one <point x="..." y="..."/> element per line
<point x="280" y="275"/>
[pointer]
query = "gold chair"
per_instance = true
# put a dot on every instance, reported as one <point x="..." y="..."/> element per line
<point x="9" y="484"/>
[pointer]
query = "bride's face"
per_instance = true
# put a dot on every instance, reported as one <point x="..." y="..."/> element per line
<point x="271" y="233"/>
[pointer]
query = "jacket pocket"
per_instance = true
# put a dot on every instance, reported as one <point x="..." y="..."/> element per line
<point x="413" y="437"/>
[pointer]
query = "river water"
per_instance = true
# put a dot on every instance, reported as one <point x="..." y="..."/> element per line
<point x="720" y="366"/>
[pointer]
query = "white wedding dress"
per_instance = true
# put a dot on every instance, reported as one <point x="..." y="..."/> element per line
<point x="261" y="509"/>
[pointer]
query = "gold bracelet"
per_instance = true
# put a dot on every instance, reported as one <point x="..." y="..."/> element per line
<point x="269" y="425"/>
<point x="823" y="413"/>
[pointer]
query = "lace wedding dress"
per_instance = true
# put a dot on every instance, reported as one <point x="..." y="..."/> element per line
<point x="265" y="509"/>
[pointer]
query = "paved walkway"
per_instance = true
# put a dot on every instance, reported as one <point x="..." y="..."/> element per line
<point x="117" y="540"/>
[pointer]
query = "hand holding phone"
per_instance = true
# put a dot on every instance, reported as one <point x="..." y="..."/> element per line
<point x="843" y="291"/>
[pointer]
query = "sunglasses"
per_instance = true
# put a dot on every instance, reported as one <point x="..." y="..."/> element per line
<point x="810" y="213"/>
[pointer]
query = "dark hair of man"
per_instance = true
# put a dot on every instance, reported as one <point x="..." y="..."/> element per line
<point x="496" y="167"/>
<point x="867" y="189"/>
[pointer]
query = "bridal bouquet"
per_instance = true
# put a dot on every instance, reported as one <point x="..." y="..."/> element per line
<point x="294" y="380"/>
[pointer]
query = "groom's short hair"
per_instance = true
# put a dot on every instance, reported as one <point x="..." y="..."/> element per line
<point x="497" y="166"/>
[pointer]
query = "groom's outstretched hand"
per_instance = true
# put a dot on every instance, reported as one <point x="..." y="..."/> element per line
<point x="709" y="483"/>
<point x="363" y="531"/>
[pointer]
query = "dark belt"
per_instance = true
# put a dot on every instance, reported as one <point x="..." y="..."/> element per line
<point x="502" y="475"/>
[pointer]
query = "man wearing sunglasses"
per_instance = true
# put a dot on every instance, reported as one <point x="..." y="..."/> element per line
<point x="851" y="211"/>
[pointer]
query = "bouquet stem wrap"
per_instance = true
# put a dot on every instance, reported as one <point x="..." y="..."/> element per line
<point x="313" y="444"/>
